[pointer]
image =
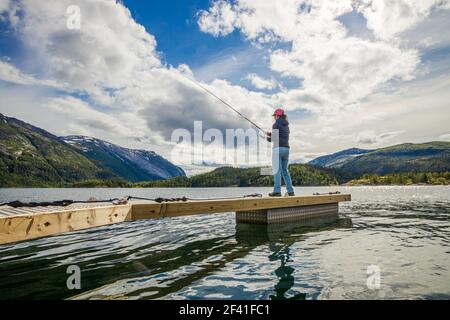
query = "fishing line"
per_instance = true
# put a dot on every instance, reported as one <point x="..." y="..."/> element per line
<point x="223" y="101"/>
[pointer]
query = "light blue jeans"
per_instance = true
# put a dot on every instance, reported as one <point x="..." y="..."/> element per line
<point x="280" y="167"/>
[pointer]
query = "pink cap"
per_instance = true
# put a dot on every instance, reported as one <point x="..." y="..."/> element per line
<point x="279" y="112"/>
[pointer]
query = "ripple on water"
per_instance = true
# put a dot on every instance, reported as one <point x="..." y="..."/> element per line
<point x="405" y="232"/>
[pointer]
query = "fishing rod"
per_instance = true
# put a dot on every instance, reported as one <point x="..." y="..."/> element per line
<point x="223" y="101"/>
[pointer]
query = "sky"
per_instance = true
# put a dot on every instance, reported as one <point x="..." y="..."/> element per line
<point x="350" y="73"/>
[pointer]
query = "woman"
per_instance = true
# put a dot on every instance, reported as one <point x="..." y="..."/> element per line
<point x="280" y="155"/>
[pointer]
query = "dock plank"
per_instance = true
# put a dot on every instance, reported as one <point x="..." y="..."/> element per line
<point x="19" y="224"/>
<point x="41" y="224"/>
<point x="175" y="209"/>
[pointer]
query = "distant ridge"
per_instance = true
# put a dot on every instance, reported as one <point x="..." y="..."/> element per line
<point x="407" y="157"/>
<point x="338" y="159"/>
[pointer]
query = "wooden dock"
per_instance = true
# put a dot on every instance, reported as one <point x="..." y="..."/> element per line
<point x="31" y="223"/>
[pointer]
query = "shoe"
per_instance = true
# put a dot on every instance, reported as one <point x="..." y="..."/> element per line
<point x="291" y="194"/>
<point x="274" y="194"/>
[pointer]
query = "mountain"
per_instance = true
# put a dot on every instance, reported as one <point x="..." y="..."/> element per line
<point x="337" y="159"/>
<point x="425" y="157"/>
<point x="302" y="175"/>
<point x="131" y="165"/>
<point x="32" y="157"/>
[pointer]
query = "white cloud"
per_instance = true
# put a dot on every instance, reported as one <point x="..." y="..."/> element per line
<point x="335" y="70"/>
<point x="186" y="70"/>
<point x="261" y="83"/>
<point x="265" y="21"/>
<point x="84" y="117"/>
<point x="4" y="5"/>
<point x="368" y="137"/>
<point x="428" y="34"/>
<point x="387" y="18"/>
<point x="114" y="61"/>
<point x="219" y="20"/>
<point x="226" y="65"/>
<point x="130" y="94"/>
<point x="8" y="11"/>
<point x="107" y="53"/>
<point x="10" y="73"/>
<point x="343" y="71"/>
<point x="372" y="138"/>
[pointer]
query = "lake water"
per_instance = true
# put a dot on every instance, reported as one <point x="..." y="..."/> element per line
<point x="402" y="232"/>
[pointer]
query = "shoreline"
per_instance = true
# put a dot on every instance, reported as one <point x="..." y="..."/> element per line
<point x="229" y="187"/>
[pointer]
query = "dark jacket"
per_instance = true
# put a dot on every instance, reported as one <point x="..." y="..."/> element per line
<point x="282" y="125"/>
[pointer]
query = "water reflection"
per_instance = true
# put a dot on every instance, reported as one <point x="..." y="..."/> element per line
<point x="280" y="238"/>
<point x="182" y="267"/>
<point x="406" y="231"/>
<point x="146" y="269"/>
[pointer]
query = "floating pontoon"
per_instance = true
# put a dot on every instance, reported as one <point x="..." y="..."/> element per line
<point x="19" y="224"/>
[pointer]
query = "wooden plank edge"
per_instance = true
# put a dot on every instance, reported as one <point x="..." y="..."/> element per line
<point x="146" y="210"/>
<point x="38" y="225"/>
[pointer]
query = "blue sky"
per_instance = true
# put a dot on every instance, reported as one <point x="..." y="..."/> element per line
<point x="174" y="24"/>
<point x="180" y="41"/>
<point x="351" y="73"/>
